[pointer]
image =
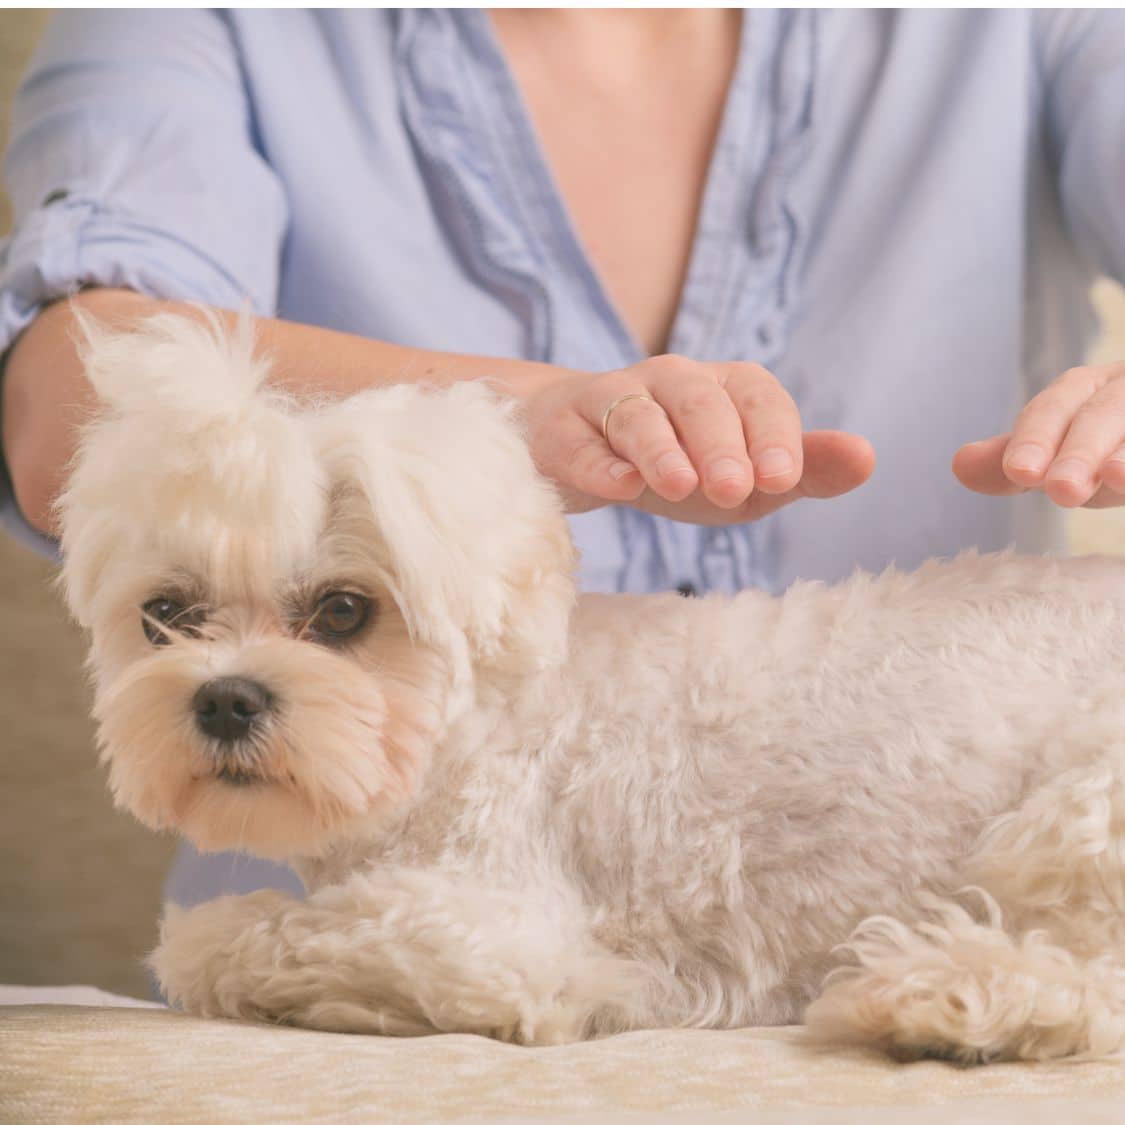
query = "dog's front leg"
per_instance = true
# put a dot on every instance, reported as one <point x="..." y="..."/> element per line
<point x="396" y="952"/>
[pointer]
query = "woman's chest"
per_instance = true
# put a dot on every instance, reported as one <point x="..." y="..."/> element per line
<point x="627" y="138"/>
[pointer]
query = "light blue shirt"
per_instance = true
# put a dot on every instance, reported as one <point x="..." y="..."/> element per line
<point x="902" y="216"/>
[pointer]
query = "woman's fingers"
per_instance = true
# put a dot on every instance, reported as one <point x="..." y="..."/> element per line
<point x="1096" y="432"/>
<point x="980" y="466"/>
<point x="834" y="463"/>
<point x="576" y="457"/>
<point x="704" y="442"/>
<point x="771" y="424"/>
<point x="1043" y="423"/>
<point x="640" y="432"/>
<point x="1069" y="442"/>
<point x="709" y="430"/>
<point x="1113" y="473"/>
<point x="723" y="428"/>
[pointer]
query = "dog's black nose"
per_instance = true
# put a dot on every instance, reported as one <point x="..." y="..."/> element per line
<point x="226" y="708"/>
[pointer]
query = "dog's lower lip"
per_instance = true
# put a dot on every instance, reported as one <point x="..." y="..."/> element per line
<point x="237" y="777"/>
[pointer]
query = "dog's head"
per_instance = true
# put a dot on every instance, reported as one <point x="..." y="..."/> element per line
<point x="288" y="606"/>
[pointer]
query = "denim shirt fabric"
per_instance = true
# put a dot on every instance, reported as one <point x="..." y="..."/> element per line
<point x="901" y="216"/>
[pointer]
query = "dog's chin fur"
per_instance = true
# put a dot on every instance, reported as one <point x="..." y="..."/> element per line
<point x="539" y="820"/>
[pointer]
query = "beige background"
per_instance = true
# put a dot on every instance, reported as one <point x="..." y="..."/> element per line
<point x="79" y="882"/>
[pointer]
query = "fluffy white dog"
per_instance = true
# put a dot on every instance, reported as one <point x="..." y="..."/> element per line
<point x="348" y="636"/>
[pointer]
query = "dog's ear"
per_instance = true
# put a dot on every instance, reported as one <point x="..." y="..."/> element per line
<point x="473" y="535"/>
<point x="186" y="444"/>
<point x="192" y="366"/>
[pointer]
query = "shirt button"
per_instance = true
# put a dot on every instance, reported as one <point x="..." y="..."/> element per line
<point x="769" y="333"/>
<point x="686" y="590"/>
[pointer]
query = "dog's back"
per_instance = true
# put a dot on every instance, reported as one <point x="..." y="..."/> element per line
<point x="743" y="780"/>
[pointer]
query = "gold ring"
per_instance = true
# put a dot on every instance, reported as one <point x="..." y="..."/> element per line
<point x="616" y="403"/>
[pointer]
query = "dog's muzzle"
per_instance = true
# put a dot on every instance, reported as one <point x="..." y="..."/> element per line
<point x="227" y="708"/>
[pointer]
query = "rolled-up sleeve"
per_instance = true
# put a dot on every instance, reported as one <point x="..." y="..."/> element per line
<point x="1082" y="59"/>
<point x="133" y="164"/>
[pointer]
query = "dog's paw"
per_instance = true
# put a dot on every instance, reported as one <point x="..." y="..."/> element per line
<point x="598" y="995"/>
<point x="210" y="957"/>
<point x="968" y="992"/>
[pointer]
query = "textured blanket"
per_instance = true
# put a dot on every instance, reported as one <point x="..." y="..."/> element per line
<point x="84" y="1064"/>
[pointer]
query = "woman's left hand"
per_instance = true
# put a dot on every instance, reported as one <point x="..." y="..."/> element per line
<point x="1068" y="441"/>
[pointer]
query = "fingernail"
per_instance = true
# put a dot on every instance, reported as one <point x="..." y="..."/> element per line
<point x="671" y="463"/>
<point x="726" y="468"/>
<point x="773" y="463"/>
<point x="1027" y="458"/>
<point x="620" y="469"/>
<point x="1071" y="471"/>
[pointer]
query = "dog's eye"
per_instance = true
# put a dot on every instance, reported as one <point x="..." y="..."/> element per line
<point x="170" y="614"/>
<point x="339" y="615"/>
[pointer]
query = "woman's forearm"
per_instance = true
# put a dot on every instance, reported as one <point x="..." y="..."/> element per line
<point x="46" y="394"/>
<point x="714" y="442"/>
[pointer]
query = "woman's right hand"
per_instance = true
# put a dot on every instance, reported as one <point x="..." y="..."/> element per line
<point x="709" y="443"/>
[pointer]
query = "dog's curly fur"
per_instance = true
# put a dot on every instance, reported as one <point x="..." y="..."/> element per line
<point x="543" y="817"/>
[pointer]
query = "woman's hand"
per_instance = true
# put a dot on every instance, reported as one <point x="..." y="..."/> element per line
<point x="1069" y="442"/>
<point x="699" y="442"/>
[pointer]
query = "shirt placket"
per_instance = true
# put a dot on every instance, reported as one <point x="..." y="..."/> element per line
<point x="739" y="298"/>
<point x="506" y="217"/>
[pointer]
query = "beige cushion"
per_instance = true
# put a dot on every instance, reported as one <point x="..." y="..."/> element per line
<point x="132" y="1064"/>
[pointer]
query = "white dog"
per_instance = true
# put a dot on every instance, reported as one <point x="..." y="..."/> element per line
<point x="348" y="636"/>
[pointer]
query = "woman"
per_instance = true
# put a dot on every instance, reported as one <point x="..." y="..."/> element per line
<point x="837" y="223"/>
